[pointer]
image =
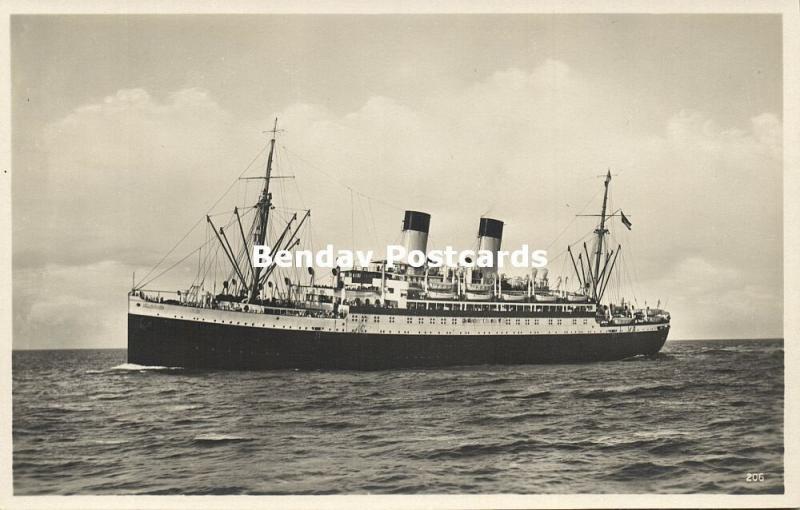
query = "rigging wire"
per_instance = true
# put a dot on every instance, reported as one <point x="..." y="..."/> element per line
<point x="173" y="265"/>
<point x="562" y="252"/>
<point x="574" y="218"/>
<point x="136" y="287"/>
<point x="142" y="285"/>
<point x="352" y="223"/>
<point x="363" y="205"/>
<point x="372" y="216"/>
<point x="339" y="182"/>
<point x="309" y="226"/>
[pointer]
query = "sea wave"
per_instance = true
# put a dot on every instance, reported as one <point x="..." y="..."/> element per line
<point x="644" y="470"/>
<point x="638" y="390"/>
<point x="220" y="438"/>
<point x="184" y="407"/>
<point x="109" y="442"/>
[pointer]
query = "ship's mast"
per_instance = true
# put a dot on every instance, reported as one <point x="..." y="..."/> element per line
<point x="600" y="231"/>
<point x="262" y="218"/>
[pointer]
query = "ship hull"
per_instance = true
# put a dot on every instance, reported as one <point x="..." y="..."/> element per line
<point x="162" y="341"/>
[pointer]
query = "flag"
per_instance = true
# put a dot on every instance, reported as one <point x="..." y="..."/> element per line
<point x="625" y="220"/>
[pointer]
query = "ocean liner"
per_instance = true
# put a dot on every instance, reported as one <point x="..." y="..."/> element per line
<point x="381" y="316"/>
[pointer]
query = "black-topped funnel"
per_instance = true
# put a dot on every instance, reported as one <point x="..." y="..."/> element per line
<point x="416" y="225"/>
<point x="490" y="235"/>
<point x="490" y="227"/>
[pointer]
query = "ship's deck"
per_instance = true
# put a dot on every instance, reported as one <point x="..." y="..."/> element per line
<point x="460" y="309"/>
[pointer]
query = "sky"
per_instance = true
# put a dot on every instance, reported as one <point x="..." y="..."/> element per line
<point x="126" y="129"/>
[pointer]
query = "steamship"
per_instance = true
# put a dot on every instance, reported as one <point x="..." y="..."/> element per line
<point x="385" y="316"/>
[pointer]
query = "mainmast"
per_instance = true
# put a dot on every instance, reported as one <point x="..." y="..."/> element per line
<point x="262" y="218"/>
<point x="600" y="231"/>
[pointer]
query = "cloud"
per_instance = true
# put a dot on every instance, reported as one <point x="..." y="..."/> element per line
<point x="68" y="306"/>
<point x="116" y="169"/>
<point x="126" y="176"/>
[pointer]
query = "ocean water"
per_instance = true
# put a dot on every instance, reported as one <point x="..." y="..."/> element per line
<point x="697" y="418"/>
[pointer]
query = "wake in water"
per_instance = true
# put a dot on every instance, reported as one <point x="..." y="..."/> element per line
<point x="132" y="367"/>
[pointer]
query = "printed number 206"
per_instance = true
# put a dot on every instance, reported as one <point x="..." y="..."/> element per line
<point x="755" y="477"/>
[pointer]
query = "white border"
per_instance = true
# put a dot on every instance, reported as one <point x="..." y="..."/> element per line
<point x="791" y="118"/>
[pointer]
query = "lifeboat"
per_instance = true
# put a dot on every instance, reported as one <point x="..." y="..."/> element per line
<point x="546" y="298"/>
<point x="658" y="318"/>
<point x="440" y="295"/>
<point x="478" y="291"/>
<point x="514" y="295"/>
<point x="577" y="298"/>
<point x="441" y="290"/>
<point x="440" y="286"/>
<point x="622" y="321"/>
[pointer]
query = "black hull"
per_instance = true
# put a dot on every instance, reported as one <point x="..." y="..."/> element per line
<point x="158" y="341"/>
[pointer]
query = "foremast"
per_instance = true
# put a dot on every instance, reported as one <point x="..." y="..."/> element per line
<point x="254" y="278"/>
<point x="262" y="217"/>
